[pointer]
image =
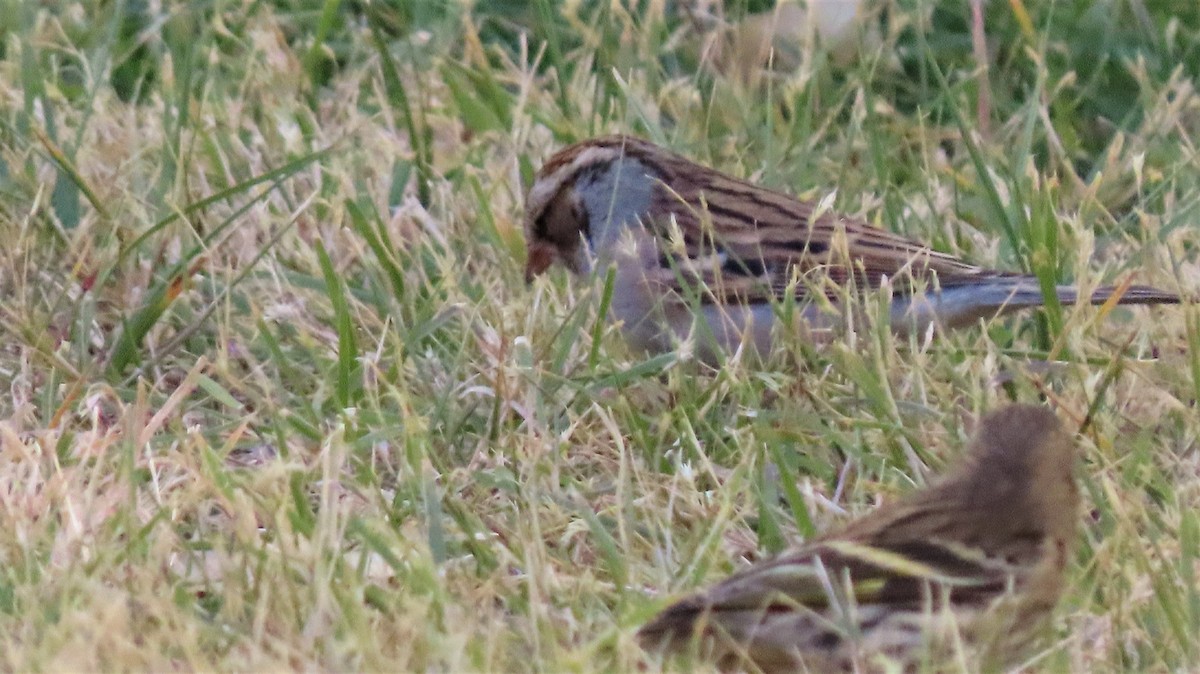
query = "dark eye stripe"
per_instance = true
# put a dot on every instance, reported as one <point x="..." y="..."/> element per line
<point x="585" y="223"/>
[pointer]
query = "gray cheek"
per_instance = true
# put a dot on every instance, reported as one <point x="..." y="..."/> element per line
<point x="615" y="197"/>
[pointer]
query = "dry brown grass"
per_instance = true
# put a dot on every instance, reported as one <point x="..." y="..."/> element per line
<point x="399" y="457"/>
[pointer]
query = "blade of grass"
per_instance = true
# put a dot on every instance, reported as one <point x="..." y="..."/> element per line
<point x="1007" y="224"/>
<point x="349" y="382"/>
<point x="276" y="177"/>
<point x="610" y="552"/>
<point x="418" y="134"/>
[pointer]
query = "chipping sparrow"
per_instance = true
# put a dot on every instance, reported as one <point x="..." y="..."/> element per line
<point x="976" y="560"/>
<point x="694" y="248"/>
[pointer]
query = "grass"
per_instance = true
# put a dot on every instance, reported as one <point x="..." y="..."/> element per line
<point x="278" y="397"/>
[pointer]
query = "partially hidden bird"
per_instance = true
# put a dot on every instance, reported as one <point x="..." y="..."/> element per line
<point x="962" y="575"/>
<point x="699" y="254"/>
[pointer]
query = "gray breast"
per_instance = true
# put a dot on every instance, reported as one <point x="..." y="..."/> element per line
<point x="615" y="195"/>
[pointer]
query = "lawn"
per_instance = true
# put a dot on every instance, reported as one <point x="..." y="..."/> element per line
<point x="277" y="396"/>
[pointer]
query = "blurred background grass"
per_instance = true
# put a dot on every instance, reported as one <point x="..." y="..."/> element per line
<point x="278" y="398"/>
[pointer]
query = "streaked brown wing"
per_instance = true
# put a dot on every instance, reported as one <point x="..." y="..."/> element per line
<point x="895" y="577"/>
<point x="771" y="246"/>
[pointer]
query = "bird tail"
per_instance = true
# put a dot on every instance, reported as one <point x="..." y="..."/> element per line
<point x="961" y="305"/>
<point x="1125" y="295"/>
<point x="1024" y="291"/>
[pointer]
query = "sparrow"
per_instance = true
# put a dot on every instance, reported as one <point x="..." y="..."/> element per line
<point x="968" y="570"/>
<point x="701" y="254"/>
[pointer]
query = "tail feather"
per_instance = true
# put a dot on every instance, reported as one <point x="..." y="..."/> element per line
<point x="1130" y="295"/>
<point x="1023" y="292"/>
<point x="962" y="305"/>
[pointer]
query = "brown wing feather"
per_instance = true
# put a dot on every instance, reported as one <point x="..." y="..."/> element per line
<point x="757" y="250"/>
